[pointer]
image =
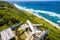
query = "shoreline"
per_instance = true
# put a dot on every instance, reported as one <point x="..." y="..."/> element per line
<point x="54" y="24"/>
<point x="24" y="9"/>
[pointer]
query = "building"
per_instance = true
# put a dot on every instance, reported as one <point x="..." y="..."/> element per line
<point x="7" y="34"/>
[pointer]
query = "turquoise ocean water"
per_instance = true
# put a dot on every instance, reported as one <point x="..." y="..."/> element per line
<point x="49" y="10"/>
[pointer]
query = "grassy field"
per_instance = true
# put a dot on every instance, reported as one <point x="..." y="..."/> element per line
<point x="54" y="33"/>
<point x="10" y="15"/>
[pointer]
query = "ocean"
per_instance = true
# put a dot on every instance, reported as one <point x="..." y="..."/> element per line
<point x="47" y="9"/>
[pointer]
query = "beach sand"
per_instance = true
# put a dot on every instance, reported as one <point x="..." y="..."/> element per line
<point x="54" y="24"/>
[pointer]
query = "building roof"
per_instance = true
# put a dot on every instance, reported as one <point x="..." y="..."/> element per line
<point x="7" y="34"/>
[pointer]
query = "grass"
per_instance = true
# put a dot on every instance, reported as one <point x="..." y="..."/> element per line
<point x="10" y="15"/>
<point x="54" y="33"/>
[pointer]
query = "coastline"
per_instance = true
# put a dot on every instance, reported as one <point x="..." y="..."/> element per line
<point x="24" y="9"/>
<point x="54" y="24"/>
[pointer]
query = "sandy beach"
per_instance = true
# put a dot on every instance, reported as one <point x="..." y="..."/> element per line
<point x="24" y="9"/>
<point x="54" y="24"/>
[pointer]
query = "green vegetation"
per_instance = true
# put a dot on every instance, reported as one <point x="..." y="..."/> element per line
<point x="10" y="15"/>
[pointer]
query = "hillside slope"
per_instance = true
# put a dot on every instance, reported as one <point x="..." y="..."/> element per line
<point x="10" y="15"/>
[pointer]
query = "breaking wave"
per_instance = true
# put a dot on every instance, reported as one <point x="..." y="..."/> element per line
<point x="58" y="21"/>
<point x="53" y="14"/>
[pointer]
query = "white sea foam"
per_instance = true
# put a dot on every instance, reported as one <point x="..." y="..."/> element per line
<point x="41" y="11"/>
<point x="50" y="13"/>
<point x="45" y="12"/>
<point x="35" y="12"/>
<point x="58" y="21"/>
